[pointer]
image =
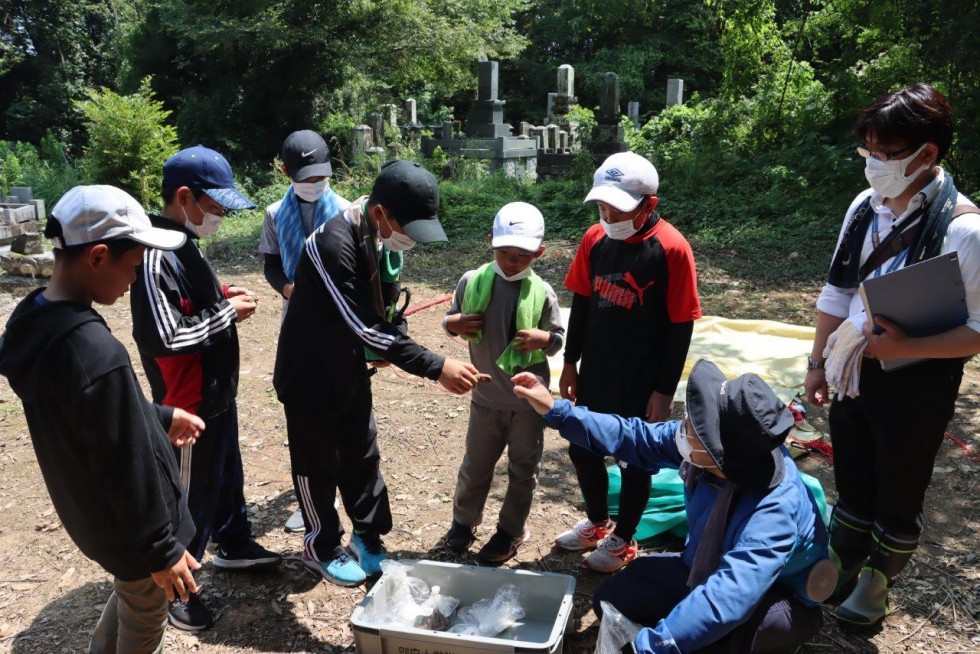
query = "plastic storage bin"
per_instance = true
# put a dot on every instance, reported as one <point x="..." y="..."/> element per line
<point x="546" y="598"/>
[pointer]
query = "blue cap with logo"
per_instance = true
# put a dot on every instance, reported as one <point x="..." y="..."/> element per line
<point x="203" y="168"/>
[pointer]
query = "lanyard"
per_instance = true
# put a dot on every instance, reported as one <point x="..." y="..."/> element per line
<point x="896" y="261"/>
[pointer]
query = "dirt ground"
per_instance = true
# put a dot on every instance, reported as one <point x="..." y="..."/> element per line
<point x="51" y="595"/>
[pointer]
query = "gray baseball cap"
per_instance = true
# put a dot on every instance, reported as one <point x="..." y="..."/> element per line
<point x="102" y="213"/>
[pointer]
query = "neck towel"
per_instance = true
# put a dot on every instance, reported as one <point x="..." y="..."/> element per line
<point x="530" y="305"/>
<point x="845" y="268"/>
<point x="289" y="225"/>
<point x="708" y="554"/>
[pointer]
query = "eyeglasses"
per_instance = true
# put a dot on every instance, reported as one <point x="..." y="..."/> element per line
<point x="882" y="155"/>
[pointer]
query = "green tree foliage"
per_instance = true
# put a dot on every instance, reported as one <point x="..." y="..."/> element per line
<point x="129" y="140"/>
<point x="50" y="52"/>
<point x="242" y="74"/>
<point x="644" y="42"/>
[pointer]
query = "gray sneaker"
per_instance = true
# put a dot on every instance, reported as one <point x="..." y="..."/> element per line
<point x="191" y="615"/>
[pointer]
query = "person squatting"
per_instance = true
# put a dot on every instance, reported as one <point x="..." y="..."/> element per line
<point x="758" y="561"/>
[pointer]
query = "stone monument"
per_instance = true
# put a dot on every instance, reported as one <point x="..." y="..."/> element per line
<point x="675" y="92"/>
<point x="486" y="136"/>
<point x="633" y="111"/>
<point x="607" y="135"/>
<point x="556" y="153"/>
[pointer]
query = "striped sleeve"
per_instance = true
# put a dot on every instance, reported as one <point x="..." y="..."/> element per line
<point x="350" y="292"/>
<point x="164" y="321"/>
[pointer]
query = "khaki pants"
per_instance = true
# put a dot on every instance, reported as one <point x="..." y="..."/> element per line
<point x="489" y="431"/>
<point x="133" y="619"/>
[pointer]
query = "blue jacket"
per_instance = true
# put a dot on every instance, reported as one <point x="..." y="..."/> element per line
<point x="772" y="536"/>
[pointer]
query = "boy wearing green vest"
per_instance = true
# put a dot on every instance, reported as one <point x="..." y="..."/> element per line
<point x="511" y="319"/>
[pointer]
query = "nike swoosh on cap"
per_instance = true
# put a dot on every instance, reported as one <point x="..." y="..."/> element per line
<point x="306" y="154"/>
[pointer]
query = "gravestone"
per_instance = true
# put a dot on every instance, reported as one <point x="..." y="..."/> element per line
<point x="486" y="136"/>
<point x="360" y="141"/>
<point x="675" y="92"/>
<point x="556" y="159"/>
<point x="377" y="130"/>
<point x="566" y="81"/>
<point x="412" y="124"/>
<point x="389" y="122"/>
<point x="525" y="128"/>
<point x="633" y="111"/>
<point x="607" y="135"/>
<point x="553" y="142"/>
<point x="540" y="136"/>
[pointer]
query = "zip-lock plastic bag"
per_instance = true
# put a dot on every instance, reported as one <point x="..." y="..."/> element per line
<point x="615" y="630"/>
<point x="409" y="602"/>
<point x="490" y="618"/>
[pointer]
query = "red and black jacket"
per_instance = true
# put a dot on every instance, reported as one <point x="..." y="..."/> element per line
<point x="184" y="328"/>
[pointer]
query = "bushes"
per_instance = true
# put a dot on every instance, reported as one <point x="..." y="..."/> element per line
<point x="128" y="140"/>
<point x="46" y="169"/>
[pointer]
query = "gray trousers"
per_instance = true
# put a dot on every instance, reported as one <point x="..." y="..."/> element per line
<point x="489" y="431"/>
<point x="133" y="619"/>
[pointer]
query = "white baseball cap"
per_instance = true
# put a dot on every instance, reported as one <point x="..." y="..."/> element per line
<point x="623" y="180"/>
<point x="518" y="225"/>
<point x="101" y="213"/>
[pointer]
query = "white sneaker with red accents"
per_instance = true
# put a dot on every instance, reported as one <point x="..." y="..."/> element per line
<point x="584" y="535"/>
<point x="611" y="554"/>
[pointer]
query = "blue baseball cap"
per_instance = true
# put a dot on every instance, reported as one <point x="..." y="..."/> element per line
<point x="203" y="168"/>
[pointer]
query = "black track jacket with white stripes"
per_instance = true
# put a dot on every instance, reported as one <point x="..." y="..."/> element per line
<point x="331" y="317"/>
<point x="185" y="329"/>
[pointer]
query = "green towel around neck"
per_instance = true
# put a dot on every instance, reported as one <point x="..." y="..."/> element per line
<point x="530" y="304"/>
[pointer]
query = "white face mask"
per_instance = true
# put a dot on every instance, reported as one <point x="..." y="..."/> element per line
<point x="513" y="278"/>
<point x="683" y="447"/>
<point x="888" y="178"/>
<point x="618" y="231"/>
<point x="310" y="191"/>
<point x="397" y="242"/>
<point x="209" y="226"/>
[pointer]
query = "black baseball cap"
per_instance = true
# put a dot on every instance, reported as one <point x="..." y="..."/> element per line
<point x="411" y="194"/>
<point x="305" y="154"/>
<point x="741" y="423"/>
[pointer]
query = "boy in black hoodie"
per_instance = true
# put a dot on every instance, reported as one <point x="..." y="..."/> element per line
<point x="103" y="449"/>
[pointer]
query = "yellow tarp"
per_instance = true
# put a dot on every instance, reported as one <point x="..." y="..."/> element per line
<point x="773" y="350"/>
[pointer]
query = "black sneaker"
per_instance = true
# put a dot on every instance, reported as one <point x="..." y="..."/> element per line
<point x="459" y="537"/>
<point x="501" y="547"/>
<point x="191" y="615"/>
<point x="244" y="556"/>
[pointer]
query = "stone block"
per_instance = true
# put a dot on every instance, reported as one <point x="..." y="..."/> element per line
<point x="609" y="100"/>
<point x="675" y="92"/>
<point x="27" y="243"/>
<point x="488" y="80"/>
<point x="361" y="140"/>
<point x="633" y="111"/>
<point x="566" y="80"/>
<point x="22" y="194"/>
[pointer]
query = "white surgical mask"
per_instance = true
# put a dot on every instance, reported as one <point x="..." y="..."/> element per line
<point x="513" y="278"/>
<point x="618" y="231"/>
<point x="209" y="226"/>
<point x="683" y="447"/>
<point x="888" y="178"/>
<point x="310" y="191"/>
<point x="397" y="242"/>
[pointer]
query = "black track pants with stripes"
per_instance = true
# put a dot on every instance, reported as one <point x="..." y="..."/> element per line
<point x="333" y="445"/>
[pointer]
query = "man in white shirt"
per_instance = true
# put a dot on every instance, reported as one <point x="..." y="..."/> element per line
<point x="884" y="442"/>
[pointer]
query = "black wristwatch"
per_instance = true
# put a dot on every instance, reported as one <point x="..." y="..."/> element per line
<point x="813" y="364"/>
